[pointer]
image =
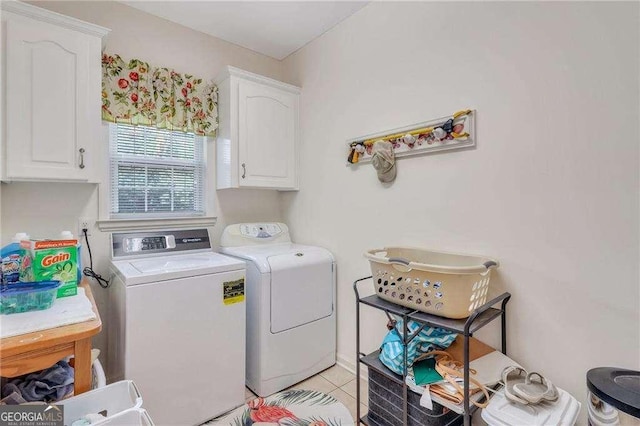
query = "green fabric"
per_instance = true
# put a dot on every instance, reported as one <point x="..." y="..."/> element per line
<point x="424" y="372"/>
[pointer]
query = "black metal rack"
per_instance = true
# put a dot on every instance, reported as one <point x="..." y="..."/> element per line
<point x="480" y="317"/>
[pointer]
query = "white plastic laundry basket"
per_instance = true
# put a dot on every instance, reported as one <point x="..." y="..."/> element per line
<point x="445" y="284"/>
<point x="131" y="417"/>
<point x="98" y="378"/>
<point x="109" y="401"/>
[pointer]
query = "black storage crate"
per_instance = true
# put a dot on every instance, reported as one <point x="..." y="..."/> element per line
<point x="386" y="404"/>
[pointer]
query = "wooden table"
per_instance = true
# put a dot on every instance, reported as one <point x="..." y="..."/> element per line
<point x="35" y="351"/>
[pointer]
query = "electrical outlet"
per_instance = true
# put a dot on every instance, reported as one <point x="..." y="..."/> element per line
<point x="84" y="223"/>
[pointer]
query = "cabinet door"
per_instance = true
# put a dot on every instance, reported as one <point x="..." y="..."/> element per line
<point x="267" y="136"/>
<point x="48" y="111"/>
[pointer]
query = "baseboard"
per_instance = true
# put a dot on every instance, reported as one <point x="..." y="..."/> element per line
<point x="348" y="365"/>
<point x="270" y="386"/>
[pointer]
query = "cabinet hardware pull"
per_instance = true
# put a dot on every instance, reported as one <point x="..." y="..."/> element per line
<point x="81" y="158"/>
<point x="244" y="170"/>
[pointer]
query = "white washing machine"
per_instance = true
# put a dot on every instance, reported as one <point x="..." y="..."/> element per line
<point x="291" y="315"/>
<point x="177" y="324"/>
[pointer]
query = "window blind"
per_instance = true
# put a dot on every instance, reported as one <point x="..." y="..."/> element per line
<point x="156" y="172"/>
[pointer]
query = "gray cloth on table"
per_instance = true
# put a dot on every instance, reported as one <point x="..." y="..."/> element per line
<point x="51" y="384"/>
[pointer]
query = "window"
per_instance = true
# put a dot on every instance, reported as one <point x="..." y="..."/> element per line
<point x="156" y="172"/>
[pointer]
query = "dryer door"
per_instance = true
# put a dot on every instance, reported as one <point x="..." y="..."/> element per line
<point x="301" y="288"/>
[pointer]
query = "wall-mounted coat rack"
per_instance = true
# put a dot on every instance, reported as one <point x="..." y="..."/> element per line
<point x="446" y="133"/>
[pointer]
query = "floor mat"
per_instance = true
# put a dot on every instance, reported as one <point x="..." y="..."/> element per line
<point x="289" y="408"/>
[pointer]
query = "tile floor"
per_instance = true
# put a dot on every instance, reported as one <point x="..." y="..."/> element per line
<point x="341" y="383"/>
<point x="335" y="381"/>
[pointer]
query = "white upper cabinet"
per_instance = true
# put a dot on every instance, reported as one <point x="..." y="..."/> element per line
<point x="52" y="95"/>
<point x="258" y="132"/>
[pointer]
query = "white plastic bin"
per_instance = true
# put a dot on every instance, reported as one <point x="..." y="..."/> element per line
<point x="98" y="378"/>
<point x="131" y="417"/>
<point x="109" y="400"/>
<point x="502" y="412"/>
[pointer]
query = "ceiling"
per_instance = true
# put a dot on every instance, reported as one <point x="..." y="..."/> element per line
<point x="273" y="28"/>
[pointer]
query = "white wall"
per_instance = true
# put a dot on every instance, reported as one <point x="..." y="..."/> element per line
<point x="551" y="190"/>
<point x="44" y="209"/>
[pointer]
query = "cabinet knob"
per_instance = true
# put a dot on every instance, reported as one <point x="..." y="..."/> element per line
<point x="244" y="170"/>
<point x="81" y="150"/>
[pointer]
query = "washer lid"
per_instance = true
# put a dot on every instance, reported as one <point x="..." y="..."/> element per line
<point x="260" y="254"/>
<point x="617" y="387"/>
<point x="145" y="270"/>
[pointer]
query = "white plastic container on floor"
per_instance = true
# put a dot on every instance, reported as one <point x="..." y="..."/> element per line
<point x="502" y="412"/>
<point x="131" y="417"/>
<point x="98" y="378"/>
<point x="109" y="400"/>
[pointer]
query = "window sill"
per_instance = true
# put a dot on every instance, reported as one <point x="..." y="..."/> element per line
<point x="113" y="225"/>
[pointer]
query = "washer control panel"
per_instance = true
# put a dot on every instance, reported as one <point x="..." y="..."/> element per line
<point x="136" y="244"/>
<point x="143" y="243"/>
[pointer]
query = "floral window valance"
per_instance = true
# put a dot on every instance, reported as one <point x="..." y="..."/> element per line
<point x="135" y="93"/>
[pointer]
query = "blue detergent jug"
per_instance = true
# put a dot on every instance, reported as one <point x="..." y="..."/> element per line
<point x="11" y="256"/>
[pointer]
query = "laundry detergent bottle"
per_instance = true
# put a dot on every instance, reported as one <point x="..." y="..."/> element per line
<point x="11" y="255"/>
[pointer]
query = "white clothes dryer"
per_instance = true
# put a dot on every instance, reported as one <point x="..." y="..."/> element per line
<point x="291" y="314"/>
